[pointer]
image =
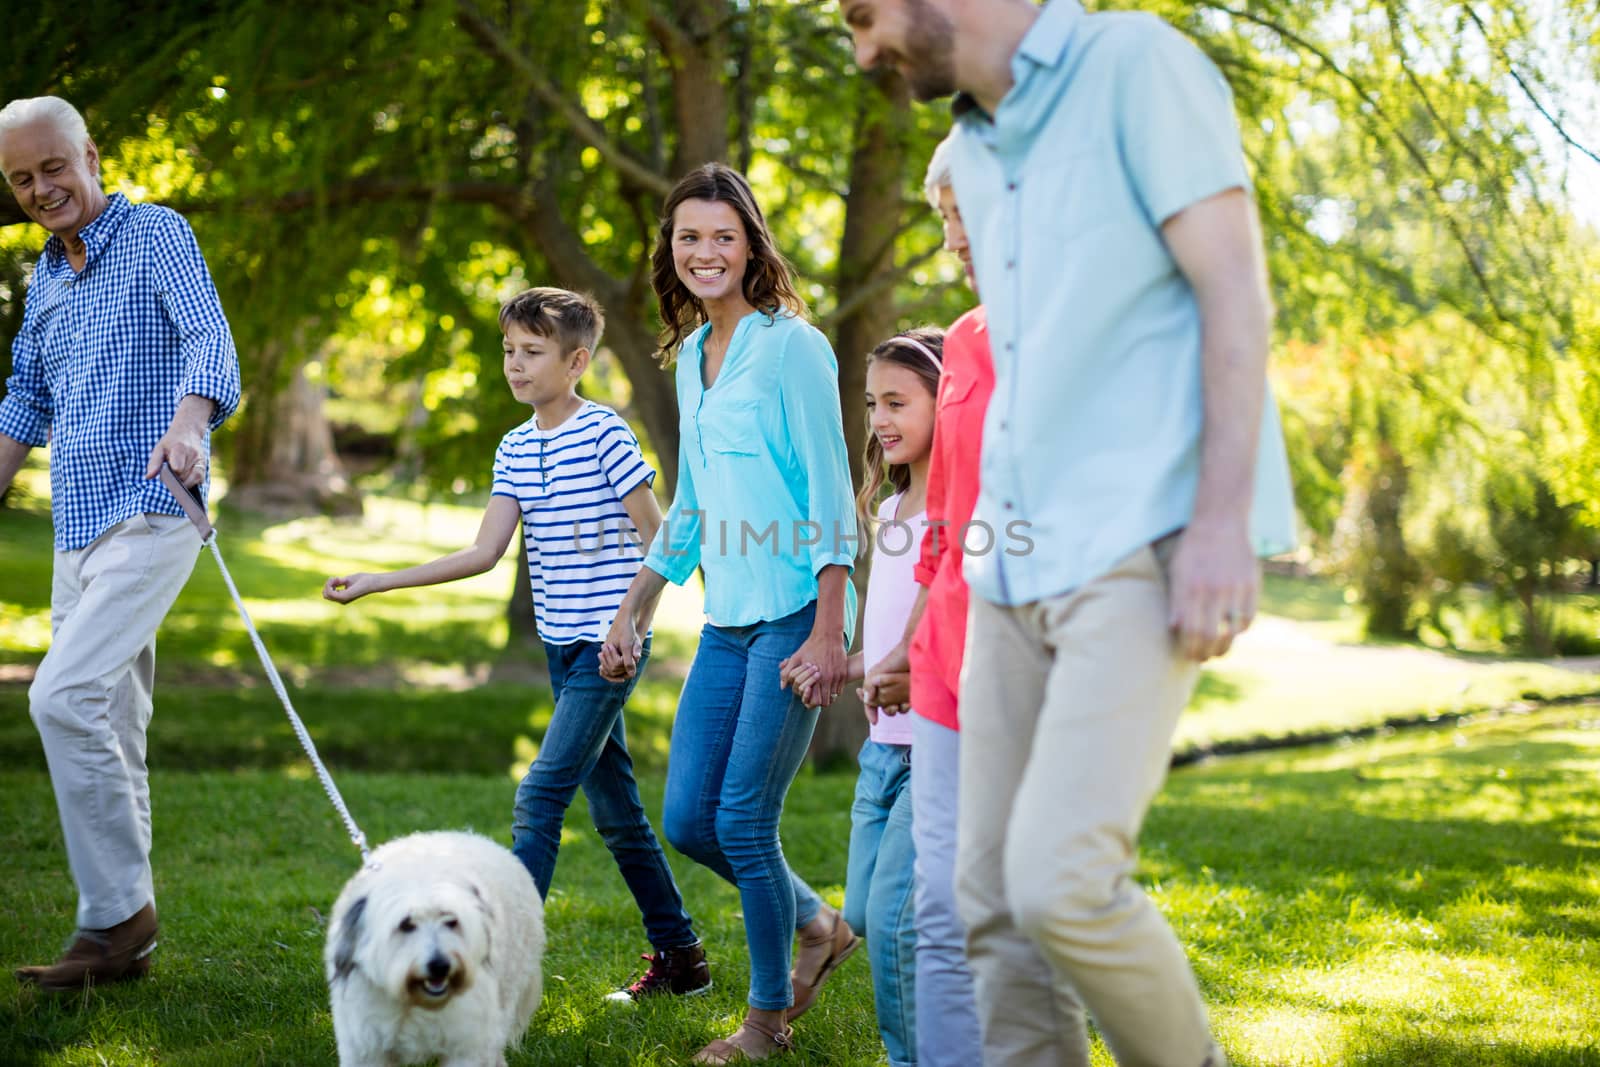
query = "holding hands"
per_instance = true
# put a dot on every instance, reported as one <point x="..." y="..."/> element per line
<point x="888" y="684"/>
<point x="620" y="655"/>
<point x="818" y="669"/>
<point x="886" y="688"/>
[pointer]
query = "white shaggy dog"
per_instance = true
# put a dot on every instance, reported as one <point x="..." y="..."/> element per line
<point x="435" y="952"/>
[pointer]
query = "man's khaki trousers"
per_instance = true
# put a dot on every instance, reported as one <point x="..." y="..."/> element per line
<point x="1068" y="707"/>
<point x="91" y="701"/>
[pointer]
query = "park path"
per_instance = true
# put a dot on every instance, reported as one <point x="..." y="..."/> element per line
<point x="1287" y="681"/>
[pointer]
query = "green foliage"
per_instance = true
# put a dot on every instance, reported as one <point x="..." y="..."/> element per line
<point x="367" y="193"/>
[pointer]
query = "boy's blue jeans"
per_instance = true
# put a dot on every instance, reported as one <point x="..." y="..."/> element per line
<point x="585" y="745"/>
<point x="878" y="897"/>
<point x="736" y="745"/>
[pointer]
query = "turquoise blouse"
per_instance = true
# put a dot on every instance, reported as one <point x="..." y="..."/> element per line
<point x="764" y="498"/>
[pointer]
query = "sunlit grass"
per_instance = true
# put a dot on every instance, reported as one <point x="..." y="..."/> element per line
<point x="1424" y="898"/>
<point x="1281" y="680"/>
<point x="443" y="635"/>
<point x="1428" y="898"/>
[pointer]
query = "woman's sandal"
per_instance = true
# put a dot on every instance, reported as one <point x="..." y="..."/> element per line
<point x="752" y="1041"/>
<point x="819" y="956"/>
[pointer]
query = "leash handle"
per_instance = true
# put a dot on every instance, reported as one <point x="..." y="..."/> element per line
<point x="189" y="500"/>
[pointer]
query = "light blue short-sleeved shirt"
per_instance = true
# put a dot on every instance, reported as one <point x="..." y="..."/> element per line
<point x="764" y="497"/>
<point x="1114" y="124"/>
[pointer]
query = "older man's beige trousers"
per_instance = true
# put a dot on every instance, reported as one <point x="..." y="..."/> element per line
<point x="91" y="701"/>
<point x="1068" y="707"/>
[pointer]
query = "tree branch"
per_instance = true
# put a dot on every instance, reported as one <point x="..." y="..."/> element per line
<point x="357" y="191"/>
<point x="824" y="182"/>
<point x="1511" y="68"/>
<point x="493" y="41"/>
<point x="1375" y="106"/>
<point x="875" y="288"/>
<point x="692" y="48"/>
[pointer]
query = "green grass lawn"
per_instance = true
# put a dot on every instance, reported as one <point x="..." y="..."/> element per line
<point x="1429" y="897"/>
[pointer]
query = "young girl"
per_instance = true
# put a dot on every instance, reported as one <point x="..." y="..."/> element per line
<point x="902" y="382"/>
<point x="763" y="505"/>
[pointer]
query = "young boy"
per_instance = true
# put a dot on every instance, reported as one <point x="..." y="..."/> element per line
<point x="573" y="476"/>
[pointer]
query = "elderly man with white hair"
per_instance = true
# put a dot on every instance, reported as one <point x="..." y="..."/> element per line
<point x="124" y="362"/>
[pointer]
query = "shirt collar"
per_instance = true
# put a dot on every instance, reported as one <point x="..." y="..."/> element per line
<point x="1043" y="45"/>
<point x="1046" y="40"/>
<point x="97" y="235"/>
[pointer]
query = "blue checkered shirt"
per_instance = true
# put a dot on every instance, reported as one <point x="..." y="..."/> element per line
<point x="103" y="358"/>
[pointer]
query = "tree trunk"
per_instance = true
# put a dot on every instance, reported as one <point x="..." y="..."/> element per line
<point x="873" y="209"/>
<point x="1536" y="637"/>
<point x="1390" y="576"/>
<point x="866" y="255"/>
<point x="694" y="48"/>
<point x="655" y="396"/>
<point x="284" y="461"/>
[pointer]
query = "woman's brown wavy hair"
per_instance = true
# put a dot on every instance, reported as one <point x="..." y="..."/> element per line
<point x="874" y="472"/>
<point x="768" y="280"/>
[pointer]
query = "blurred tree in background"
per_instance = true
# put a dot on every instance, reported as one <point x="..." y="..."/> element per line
<point x="369" y="180"/>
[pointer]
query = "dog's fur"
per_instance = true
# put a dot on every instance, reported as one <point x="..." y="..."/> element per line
<point x="434" y="952"/>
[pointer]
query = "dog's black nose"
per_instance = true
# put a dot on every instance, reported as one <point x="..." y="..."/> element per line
<point x="438" y="968"/>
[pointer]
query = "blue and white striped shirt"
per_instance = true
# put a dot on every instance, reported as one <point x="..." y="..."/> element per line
<point x="583" y="549"/>
<point x="104" y="356"/>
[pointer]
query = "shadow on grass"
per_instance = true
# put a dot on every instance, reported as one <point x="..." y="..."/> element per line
<point x="1380" y="1049"/>
<point x="248" y="865"/>
<point x="1424" y="900"/>
<point x="485" y="730"/>
<point x="201" y="641"/>
<point x="1506" y="822"/>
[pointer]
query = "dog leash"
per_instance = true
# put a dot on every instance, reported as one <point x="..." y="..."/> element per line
<point x="189" y="501"/>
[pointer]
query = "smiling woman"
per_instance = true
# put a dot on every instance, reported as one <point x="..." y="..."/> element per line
<point x="761" y="451"/>
<point x="714" y="250"/>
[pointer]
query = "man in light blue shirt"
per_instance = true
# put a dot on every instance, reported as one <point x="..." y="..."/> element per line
<point x="1099" y="172"/>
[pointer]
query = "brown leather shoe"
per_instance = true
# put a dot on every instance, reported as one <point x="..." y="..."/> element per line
<point x="819" y="955"/>
<point x="99" y="957"/>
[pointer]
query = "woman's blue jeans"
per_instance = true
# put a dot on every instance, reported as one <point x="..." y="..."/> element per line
<point x="585" y="746"/>
<point x="878" y="897"/>
<point x="737" y="743"/>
